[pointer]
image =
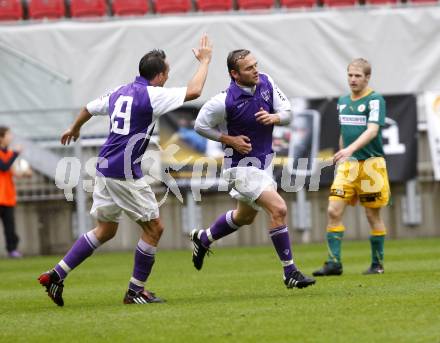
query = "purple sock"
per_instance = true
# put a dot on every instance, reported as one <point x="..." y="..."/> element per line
<point x="83" y="248"/>
<point x="143" y="263"/>
<point x="281" y="242"/>
<point x="223" y="226"/>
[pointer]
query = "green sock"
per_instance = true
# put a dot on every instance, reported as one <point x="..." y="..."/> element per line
<point x="377" y="245"/>
<point x="334" y="241"/>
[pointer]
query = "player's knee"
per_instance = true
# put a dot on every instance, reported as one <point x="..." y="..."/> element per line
<point x="373" y="217"/>
<point x="160" y="229"/>
<point x="370" y="217"/>
<point x="279" y="211"/>
<point x="157" y="229"/>
<point x="152" y="229"/>
<point x="334" y="213"/>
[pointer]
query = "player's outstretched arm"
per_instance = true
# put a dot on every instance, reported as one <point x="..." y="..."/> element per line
<point x="74" y="131"/>
<point x="203" y="54"/>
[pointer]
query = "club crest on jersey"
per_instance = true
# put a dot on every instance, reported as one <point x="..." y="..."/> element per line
<point x="265" y="94"/>
<point x="361" y="108"/>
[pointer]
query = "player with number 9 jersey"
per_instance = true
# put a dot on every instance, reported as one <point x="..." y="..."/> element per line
<point x="119" y="186"/>
<point x="133" y="110"/>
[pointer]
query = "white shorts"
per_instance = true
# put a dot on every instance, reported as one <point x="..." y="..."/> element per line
<point x="134" y="197"/>
<point x="248" y="183"/>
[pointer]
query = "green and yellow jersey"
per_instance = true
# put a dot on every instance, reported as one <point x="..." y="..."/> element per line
<point x="354" y="116"/>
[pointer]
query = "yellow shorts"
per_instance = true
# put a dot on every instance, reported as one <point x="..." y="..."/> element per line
<point x="364" y="180"/>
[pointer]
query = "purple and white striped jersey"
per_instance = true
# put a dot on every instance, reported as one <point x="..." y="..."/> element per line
<point x="133" y="110"/>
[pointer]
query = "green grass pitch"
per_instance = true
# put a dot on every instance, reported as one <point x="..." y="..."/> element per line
<point x="237" y="297"/>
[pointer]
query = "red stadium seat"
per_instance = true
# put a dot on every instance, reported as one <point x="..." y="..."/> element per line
<point x="297" y="3"/>
<point x="421" y="2"/>
<point x="11" y="10"/>
<point x="380" y="2"/>
<point x="130" y="7"/>
<point x="172" y="6"/>
<point x="339" y="3"/>
<point x="254" y="4"/>
<point x="39" y="9"/>
<point x="214" y="5"/>
<point x="87" y="8"/>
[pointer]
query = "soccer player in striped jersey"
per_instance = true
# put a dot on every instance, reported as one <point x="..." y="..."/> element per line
<point x="361" y="170"/>
<point x="120" y="187"/>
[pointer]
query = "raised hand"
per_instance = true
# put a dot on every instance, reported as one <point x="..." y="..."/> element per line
<point x="204" y="52"/>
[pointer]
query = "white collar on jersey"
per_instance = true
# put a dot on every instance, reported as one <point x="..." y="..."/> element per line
<point x="250" y="90"/>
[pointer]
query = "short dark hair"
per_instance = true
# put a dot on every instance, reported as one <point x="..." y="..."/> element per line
<point x="3" y="130"/>
<point x="234" y="57"/>
<point x="152" y="64"/>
